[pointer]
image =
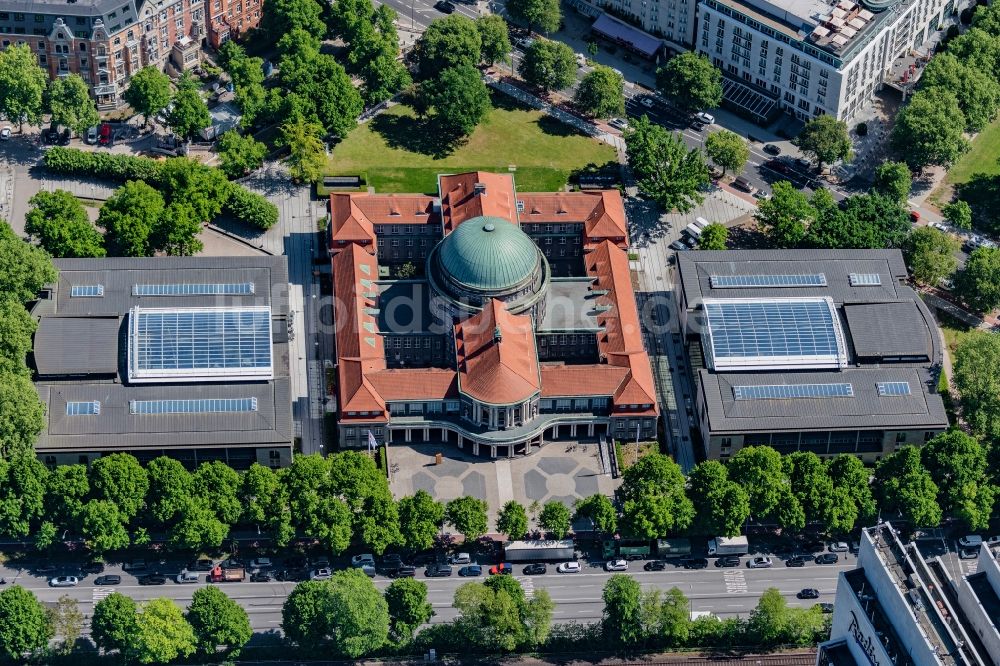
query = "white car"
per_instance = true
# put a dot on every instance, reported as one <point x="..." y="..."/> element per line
<point x="64" y="581"/>
<point x="568" y="567"/>
<point x="616" y="565"/>
<point x="939" y="226"/>
<point x="618" y="123"/>
<point x="970" y="541"/>
<point x="187" y="577"/>
<point x="839" y="547"/>
<point x="647" y="102"/>
<point x="365" y="559"/>
<point x="706" y="118"/>
<point x="320" y="574"/>
<point x="760" y="562"/>
<point x="4" y="133"/>
<point x="993" y="540"/>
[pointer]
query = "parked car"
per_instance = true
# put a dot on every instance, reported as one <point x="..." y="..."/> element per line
<point x="444" y="7"/>
<point x="321" y="574"/>
<point x="759" y="562"/>
<point x="153" y="579"/>
<point x="471" y="570"/>
<point x="134" y="565"/>
<point x="706" y="118"/>
<point x="260" y="577"/>
<point x="568" y="567"/>
<point x="647" y="102"/>
<point x="404" y="571"/>
<point x="968" y="553"/>
<point x="679" y="245"/>
<point x="970" y="541"/>
<point x="64" y="137"/>
<point x="5" y="133"/>
<point x="91" y="136"/>
<point x="93" y="567"/>
<point x="728" y="561"/>
<point x="772" y="149"/>
<point x="461" y="558"/>
<point x="697" y="125"/>
<point x="322" y="561"/>
<point x="296" y="562"/>
<point x="825" y="607"/>
<point x="534" y="570"/>
<point x="187" y="577"/>
<point x="367" y="570"/>
<point x="260" y="563"/>
<point x="827" y="558"/>
<point x="201" y="564"/>
<point x="618" y="123"/>
<point x="808" y="593"/>
<point x="438" y="571"/>
<point x="104" y="135"/>
<point x="694" y="562"/>
<point x="292" y="575"/>
<point x="502" y="569"/>
<point x="391" y="562"/>
<point x="616" y="565"/>
<point x="796" y="561"/>
<point x="362" y="560"/>
<point x="654" y="565"/>
<point x="109" y="579"/>
<point x="64" y="581"/>
<point x="839" y="547"/>
<point x="743" y="183"/>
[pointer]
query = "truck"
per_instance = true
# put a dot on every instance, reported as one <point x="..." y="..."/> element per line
<point x="612" y="548"/>
<point x="540" y="550"/>
<point x="673" y="547"/>
<point x="720" y="545"/>
<point x="227" y="575"/>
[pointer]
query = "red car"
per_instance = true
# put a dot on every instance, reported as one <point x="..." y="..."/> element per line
<point x="502" y="569"/>
<point x="104" y="136"/>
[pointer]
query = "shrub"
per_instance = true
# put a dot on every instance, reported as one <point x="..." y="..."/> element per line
<point x="251" y="208"/>
<point x="102" y="165"/>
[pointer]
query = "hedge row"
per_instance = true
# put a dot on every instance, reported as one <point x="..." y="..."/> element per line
<point x="246" y="206"/>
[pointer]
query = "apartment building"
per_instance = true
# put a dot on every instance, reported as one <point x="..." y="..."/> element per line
<point x="231" y="19"/>
<point x="673" y="20"/>
<point x="105" y="41"/>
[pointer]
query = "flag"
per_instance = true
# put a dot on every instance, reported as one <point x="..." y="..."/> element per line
<point x="372" y="443"/>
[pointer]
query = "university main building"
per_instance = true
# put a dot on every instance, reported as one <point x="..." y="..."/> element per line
<point x="516" y="323"/>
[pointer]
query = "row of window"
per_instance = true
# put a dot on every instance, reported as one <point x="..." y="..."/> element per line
<point x="408" y="229"/>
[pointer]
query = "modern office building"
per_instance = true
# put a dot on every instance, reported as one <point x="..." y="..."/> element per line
<point x="520" y="325"/>
<point x="828" y="351"/>
<point x="178" y="356"/>
<point x="900" y="607"/>
<point x="105" y="41"/>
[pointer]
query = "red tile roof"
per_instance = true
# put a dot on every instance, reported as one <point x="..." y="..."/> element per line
<point x="398" y="208"/>
<point x="348" y="224"/>
<point x="561" y="380"/>
<point x="496" y="356"/>
<point x="602" y="213"/>
<point x="459" y="201"/>
<point x="415" y="383"/>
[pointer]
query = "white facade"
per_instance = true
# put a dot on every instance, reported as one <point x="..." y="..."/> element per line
<point x="673" y="20"/>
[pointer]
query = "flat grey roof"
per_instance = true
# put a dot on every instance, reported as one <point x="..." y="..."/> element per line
<point x="890" y="330"/>
<point x="77" y="345"/>
<point x="569" y="306"/>
<point x="866" y="409"/>
<point x="64" y="8"/>
<point x="405" y="309"/>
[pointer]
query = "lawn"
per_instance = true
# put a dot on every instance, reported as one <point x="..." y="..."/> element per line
<point x="395" y="152"/>
<point x="982" y="158"/>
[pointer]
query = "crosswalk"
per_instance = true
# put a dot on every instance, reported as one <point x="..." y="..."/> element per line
<point x="528" y="585"/>
<point x="101" y="592"/>
<point x="736" y="583"/>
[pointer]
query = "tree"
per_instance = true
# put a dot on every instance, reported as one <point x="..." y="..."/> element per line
<point x="494" y="39"/>
<point x="850" y="476"/>
<point x="22" y="414"/>
<point x="58" y="221"/>
<point x="120" y="479"/>
<point x="198" y="526"/>
<point x="22" y="493"/>
<point x="757" y="469"/>
<point x="959" y="214"/>
<point x="265" y="502"/>
<point x="218" y="485"/>
<point x="653" y="500"/>
<point x="667" y="171"/>
<point x="862" y="221"/>
<point x="239" y="155"/>
<point x="543" y="15"/>
<point x="130" y="218"/>
<point x="217" y="621"/>
<point x="930" y="255"/>
<point x="958" y="465"/>
<point x="22" y="85"/>
<point x="555" y="518"/>
<point x="468" y="516"/>
<point x="65" y="489"/>
<point x="114" y="622"/>
<point x="691" y="82"/>
<point x="459" y="98"/>
<point x="161" y="634"/>
<point x="178" y="228"/>
<point x="977" y="91"/>
<point x="67" y="622"/>
<point x="498" y="616"/>
<point x="728" y="150"/>
<point x="170" y="487"/>
<point x="102" y="525"/>
<point x="810" y="484"/>
<point x="977" y="378"/>
<point x="420" y="517"/>
<point x="384" y="76"/>
<point x="148" y="91"/>
<point x="893" y="180"/>
<point x="408" y="606"/>
<point x="24" y="625"/>
<point x="193" y="185"/>
<point x="305" y="614"/>
<point x="548" y="65"/>
<point x="786" y="216"/>
<point x="307" y="159"/>
<point x="24" y="269"/>
<point x="16" y="329"/>
<point x="621" y="622"/>
<point x="599" y="509"/>
<point x="721" y="506"/>
<point x="453" y="41"/>
<point x="283" y="16"/>
<point x="903" y="486"/>
<point x="190" y="113"/>
<point x="512" y="520"/>
<point x="978" y="283"/>
<point x="713" y="237"/>
<point x="929" y="129"/>
<point x="769" y="620"/>
<point x="71" y="104"/>
<point x="666" y="616"/>
<point x="601" y="94"/>
<point x="826" y="139"/>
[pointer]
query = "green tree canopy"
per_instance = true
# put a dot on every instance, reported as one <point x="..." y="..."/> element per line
<point x="850" y="476"/>
<point x="512" y="520"/>
<point x="494" y="37"/>
<point x="307" y="159"/>
<point x="24" y="625"/>
<point x="555" y="518"/>
<point x="959" y="214"/>
<point x="654" y="503"/>
<point x="862" y="221"/>
<point x="102" y="525"/>
<point x="218" y="485"/>
<point x="497" y="616"/>
<point x="713" y="237"/>
<point x="977" y="90"/>
<point x="67" y="623"/>
<point x="825" y="139"/>
<point x="810" y="484"/>
<point x="667" y="171"/>
<point x="24" y="269"/>
<point x="977" y="378"/>
<point x="408" y="606"/>
<point x="22" y="85"/>
<point x="978" y="283"/>
<point x="192" y="184"/>
<point x="929" y="129"/>
<point x="283" y="16"/>
<point x="149" y="91"/>
<point x="22" y="414"/>
<point x="178" y="229"/>
<point x="728" y="150"/>
<point x="721" y="506"/>
<point x="958" y="466"/>
<point x="59" y="223"/>
<point x="542" y="15"/>
<point x="197" y="526"/>
<point x="313" y="506"/>
<point x="420" y="518"/>
<point x="16" y="329"/>
<point x="930" y="255"/>
<point x="22" y="493"/>
<point x="114" y="622"/>
<point x="217" y="621"/>
<point x="621" y="622"/>
<point x="459" y="98"/>
<point x="170" y="487"/>
<point x="161" y="633"/>
<point x="769" y="620"/>
<point x="548" y="65"/>
<point x="468" y="516"/>
<point x="239" y="155"/>
<point x="691" y="82"/>
<point x="130" y="219"/>
<point x="601" y="94"/>
<point x="120" y="479"/>
<point x="190" y="113"/>
<point x="758" y="470"/>
<point x="599" y="509"/>
<point x="65" y="489"/>
<point x="450" y="42"/>
<point x="71" y="105"/>
<point x="893" y="180"/>
<point x="786" y="216"/>
<point x="265" y="502"/>
<point x="902" y="485"/>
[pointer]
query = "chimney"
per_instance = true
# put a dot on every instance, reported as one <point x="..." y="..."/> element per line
<point x="497" y="336"/>
<point x="479" y="189"/>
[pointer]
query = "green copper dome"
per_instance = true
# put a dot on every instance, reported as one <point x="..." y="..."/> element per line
<point x="489" y="254"/>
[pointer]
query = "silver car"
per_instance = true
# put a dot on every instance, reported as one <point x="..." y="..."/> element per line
<point x="64" y="581"/>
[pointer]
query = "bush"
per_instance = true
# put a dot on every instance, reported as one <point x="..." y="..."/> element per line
<point x="102" y="165"/>
<point x="251" y="208"/>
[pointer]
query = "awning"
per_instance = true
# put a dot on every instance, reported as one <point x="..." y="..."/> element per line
<point x="627" y="35"/>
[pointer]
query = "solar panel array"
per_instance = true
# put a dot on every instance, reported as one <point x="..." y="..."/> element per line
<point x="89" y="408"/>
<point x="751" y="281"/>
<point x="184" y="289"/>
<point x="743" y="330"/>
<point x="86" y="290"/>
<point x="201" y="406"/>
<point x="865" y="279"/>
<point x="196" y="342"/>
<point x="788" y="391"/>
<point x="893" y="388"/>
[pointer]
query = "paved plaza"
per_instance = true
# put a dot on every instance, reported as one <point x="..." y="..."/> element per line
<point x="558" y="471"/>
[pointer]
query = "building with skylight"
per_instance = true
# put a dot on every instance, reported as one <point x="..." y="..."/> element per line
<point x="178" y="356"/>
<point x="828" y="351"/>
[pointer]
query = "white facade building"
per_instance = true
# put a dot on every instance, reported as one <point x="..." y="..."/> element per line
<point x="674" y="20"/>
